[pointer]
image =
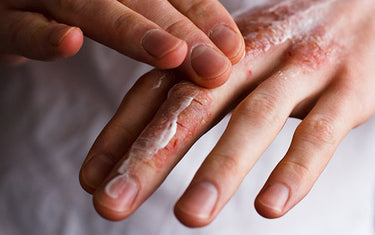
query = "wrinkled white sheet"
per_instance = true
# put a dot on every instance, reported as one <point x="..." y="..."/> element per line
<point x="50" y="113"/>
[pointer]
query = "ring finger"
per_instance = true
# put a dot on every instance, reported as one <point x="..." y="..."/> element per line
<point x="252" y="128"/>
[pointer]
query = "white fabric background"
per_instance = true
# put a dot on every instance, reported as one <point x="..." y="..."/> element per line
<point x="50" y="113"/>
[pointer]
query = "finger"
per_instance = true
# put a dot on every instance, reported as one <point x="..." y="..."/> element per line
<point x="154" y="153"/>
<point x="188" y="111"/>
<point x="342" y="107"/>
<point x="205" y="64"/>
<point x="215" y="21"/>
<point x="115" y="25"/>
<point x="12" y="60"/>
<point x="136" y="110"/>
<point x="313" y="145"/>
<point x="142" y="169"/>
<point x="252" y="128"/>
<point x="33" y="36"/>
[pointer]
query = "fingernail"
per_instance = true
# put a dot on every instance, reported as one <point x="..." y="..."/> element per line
<point x="227" y="40"/>
<point x="123" y="189"/>
<point x="208" y="63"/>
<point x="158" y="43"/>
<point x="199" y="201"/>
<point x="58" y="34"/>
<point x="275" y="196"/>
<point x="96" y="170"/>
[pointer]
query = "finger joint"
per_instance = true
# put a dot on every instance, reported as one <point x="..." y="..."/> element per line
<point x="318" y="131"/>
<point x="199" y="7"/>
<point x="298" y="171"/>
<point x="260" y="108"/>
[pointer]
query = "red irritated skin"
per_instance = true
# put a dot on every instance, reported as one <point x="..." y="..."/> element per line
<point x="297" y="64"/>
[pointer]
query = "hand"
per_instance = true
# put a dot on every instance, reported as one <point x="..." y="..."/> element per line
<point x="307" y="59"/>
<point x="199" y="36"/>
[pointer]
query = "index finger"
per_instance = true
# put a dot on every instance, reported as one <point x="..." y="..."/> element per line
<point x="119" y="27"/>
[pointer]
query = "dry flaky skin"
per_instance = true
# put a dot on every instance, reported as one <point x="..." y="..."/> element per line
<point x="264" y="29"/>
<point x="303" y="23"/>
<point x="179" y="120"/>
<point x="279" y="37"/>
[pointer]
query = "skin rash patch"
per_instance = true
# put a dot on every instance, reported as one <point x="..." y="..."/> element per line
<point x="170" y="131"/>
<point x="156" y="136"/>
<point x="273" y="25"/>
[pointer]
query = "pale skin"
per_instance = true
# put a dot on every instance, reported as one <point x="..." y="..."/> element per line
<point x="165" y="34"/>
<point x="312" y="60"/>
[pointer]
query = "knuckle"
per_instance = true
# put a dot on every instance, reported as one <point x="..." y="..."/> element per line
<point x="199" y="7"/>
<point x="123" y="22"/>
<point x="298" y="171"/>
<point x="177" y="25"/>
<point x="320" y="130"/>
<point x="312" y="51"/>
<point x="227" y="165"/>
<point x="261" y="108"/>
<point x="123" y="29"/>
<point x="230" y="164"/>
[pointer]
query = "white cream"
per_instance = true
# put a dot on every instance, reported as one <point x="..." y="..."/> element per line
<point x="159" y="82"/>
<point x="279" y="29"/>
<point x="158" y="136"/>
<point x="149" y="142"/>
<point x="170" y="131"/>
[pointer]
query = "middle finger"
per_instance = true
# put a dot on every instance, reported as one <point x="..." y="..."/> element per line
<point x="252" y="128"/>
<point x="205" y="63"/>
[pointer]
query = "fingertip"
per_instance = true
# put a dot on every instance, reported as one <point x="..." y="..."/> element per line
<point x="166" y="50"/>
<point x="240" y="55"/>
<point x="67" y="41"/>
<point x="196" y="207"/>
<point x="84" y="185"/>
<point x="210" y="68"/>
<point x="117" y="199"/>
<point x="214" y="82"/>
<point x="189" y="220"/>
<point x="107" y="213"/>
<point x="174" y="58"/>
<point x="229" y="41"/>
<point x="271" y="201"/>
<point x="95" y="170"/>
<point x="266" y="212"/>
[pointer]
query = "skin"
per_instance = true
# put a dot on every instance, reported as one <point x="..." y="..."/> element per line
<point x="320" y="72"/>
<point x="165" y="34"/>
